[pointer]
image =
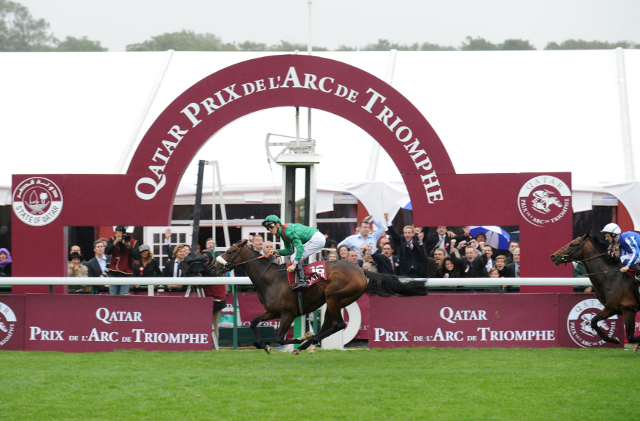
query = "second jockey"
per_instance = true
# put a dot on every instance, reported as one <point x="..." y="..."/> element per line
<point x="629" y="243"/>
<point x="298" y="238"/>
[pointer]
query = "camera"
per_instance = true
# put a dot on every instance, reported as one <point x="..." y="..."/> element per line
<point x="196" y="265"/>
<point x="126" y="238"/>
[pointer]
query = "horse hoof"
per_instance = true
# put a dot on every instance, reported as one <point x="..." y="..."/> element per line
<point x="267" y="349"/>
<point x="637" y="348"/>
<point x="312" y="349"/>
<point x="617" y="341"/>
<point x="295" y="352"/>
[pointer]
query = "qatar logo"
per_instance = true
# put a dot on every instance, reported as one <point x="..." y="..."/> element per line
<point x="7" y="323"/>
<point x="544" y="200"/>
<point x="579" y="324"/>
<point x="37" y="201"/>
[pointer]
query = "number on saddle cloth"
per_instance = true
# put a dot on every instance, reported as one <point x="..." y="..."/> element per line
<point x="313" y="273"/>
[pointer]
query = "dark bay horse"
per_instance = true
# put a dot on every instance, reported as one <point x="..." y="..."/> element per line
<point x="345" y="283"/>
<point x="615" y="290"/>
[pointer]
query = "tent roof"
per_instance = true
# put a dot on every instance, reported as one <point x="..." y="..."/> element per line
<point x="496" y="112"/>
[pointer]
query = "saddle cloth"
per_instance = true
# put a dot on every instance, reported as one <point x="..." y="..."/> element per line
<point x="313" y="273"/>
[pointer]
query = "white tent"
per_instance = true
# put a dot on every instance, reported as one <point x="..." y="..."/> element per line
<point x="496" y="112"/>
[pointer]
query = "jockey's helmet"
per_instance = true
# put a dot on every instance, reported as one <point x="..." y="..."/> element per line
<point x="270" y="221"/>
<point x="612" y="229"/>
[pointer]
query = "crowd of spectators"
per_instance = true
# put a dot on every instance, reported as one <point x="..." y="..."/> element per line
<point x="417" y="254"/>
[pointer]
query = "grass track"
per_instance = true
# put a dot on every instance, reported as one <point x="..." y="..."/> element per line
<point x="399" y="384"/>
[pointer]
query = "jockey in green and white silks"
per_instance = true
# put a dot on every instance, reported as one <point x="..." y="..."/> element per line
<point x="300" y="242"/>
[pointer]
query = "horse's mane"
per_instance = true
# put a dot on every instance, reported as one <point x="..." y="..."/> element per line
<point x="603" y="246"/>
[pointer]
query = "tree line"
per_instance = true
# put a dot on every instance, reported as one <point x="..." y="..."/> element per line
<point x="20" y="32"/>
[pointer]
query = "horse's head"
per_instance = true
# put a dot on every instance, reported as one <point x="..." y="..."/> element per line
<point x="230" y="259"/>
<point x="571" y="252"/>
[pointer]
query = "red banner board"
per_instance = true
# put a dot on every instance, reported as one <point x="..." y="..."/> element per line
<point x="98" y="323"/>
<point x="488" y="320"/>
<point x="12" y="322"/>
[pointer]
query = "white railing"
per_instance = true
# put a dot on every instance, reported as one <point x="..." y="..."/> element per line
<point x="435" y="282"/>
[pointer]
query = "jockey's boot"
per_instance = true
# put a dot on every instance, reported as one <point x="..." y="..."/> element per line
<point x="301" y="283"/>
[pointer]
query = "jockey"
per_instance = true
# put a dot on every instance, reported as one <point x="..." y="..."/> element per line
<point x="629" y="243"/>
<point x="305" y="240"/>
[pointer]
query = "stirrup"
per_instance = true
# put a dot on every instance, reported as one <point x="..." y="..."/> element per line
<point x="300" y="284"/>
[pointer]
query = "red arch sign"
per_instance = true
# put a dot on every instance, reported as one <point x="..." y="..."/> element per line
<point x="144" y="196"/>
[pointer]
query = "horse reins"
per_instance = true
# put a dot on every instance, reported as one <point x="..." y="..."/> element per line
<point x="229" y="266"/>
<point x="582" y="243"/>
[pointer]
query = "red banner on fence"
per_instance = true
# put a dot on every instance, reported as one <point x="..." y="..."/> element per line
<point x="488" y="320"/>
<point x="100" y="323"/>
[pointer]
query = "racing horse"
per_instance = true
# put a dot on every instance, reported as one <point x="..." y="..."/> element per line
<point x="345" y="282"/>
<point x="615" y="290"/>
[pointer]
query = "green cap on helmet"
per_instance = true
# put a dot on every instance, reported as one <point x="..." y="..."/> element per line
<point x="271" y="220"/>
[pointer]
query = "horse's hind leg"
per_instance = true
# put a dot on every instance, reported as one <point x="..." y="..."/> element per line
<point x="630" y="327"/>
<point x="266" y="315"/>
<point x="605" y="313"/>
<point x="334" y="318"/>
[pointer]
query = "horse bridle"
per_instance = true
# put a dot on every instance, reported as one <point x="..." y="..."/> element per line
<point x="565" y="258"/>
<point x="229" y="266"/>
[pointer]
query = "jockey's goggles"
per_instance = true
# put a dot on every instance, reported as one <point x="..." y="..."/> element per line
<point x="271" y="225"/>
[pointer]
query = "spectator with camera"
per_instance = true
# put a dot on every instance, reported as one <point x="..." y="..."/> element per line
<point x="124" y="252"/>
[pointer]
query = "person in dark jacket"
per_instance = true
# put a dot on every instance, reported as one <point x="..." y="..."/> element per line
<point x="386" y="261"/>
<point x="450" y="268"/>
<point x="147" y="266"/>
<point x="412" y="262"/>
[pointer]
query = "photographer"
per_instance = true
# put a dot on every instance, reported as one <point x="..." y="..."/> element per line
<point x="124" y="253"/>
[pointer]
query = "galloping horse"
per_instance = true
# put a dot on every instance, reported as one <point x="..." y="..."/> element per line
<point x="345" y="283"/>
<point x="616" y="291"/>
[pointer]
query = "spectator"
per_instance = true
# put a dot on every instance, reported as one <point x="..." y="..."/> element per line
<point x="434" y="263"/>
<point x="501" y="263"/>
<point x="367" y="261"/>
<point x="494" y="273"/>
<point x="465" y="238"/>
<point x="488" y="252"/>
<point x="172" y="269"/>
<point x="352" y="256"/>
<point x="513" y="269"/>
<point x="124" y="252"/>
<point x="258" y="242"/>
<point x="512" y="246"/>
<point x="473" y="263"/>
<point x="450" y="268"/>
<point x="97" y="266"/>
<point x="5" y="262"/>
<point x="441" y="239"/>
<point x="332" y="256"/>
<point x="76" y="269"/>
<point x="75" y="249"/>
<point x="382" y="241"/>
<point x="147" y="266"/>
<point x="343" y="252"/>
<point x="218" y="292"/>
<point x="386" y="261"/>
<point x="412" y="262"/>
<point x="354" y="242"/>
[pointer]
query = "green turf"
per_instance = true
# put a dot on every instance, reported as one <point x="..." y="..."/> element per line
<point x="399" y="384"/>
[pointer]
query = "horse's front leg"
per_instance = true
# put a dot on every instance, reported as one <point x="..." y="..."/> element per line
<point x="604" y="314"/>
<point x="285" y="324"/>
<point x="266" y="315"/>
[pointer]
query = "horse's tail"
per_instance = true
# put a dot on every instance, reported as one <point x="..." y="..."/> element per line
<point x="386" y="285"/>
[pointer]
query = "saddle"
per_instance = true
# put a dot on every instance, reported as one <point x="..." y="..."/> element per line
<point x="313" y="273"/>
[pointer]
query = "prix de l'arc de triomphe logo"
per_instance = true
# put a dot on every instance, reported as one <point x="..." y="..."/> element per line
<point x="7" y="323"/>
<point x="544" y="200"/>
<point x="37" y="201"/>
<point x="579" y="323"/>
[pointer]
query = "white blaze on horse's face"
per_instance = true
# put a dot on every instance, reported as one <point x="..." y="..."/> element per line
<point x="220" y="260"/>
